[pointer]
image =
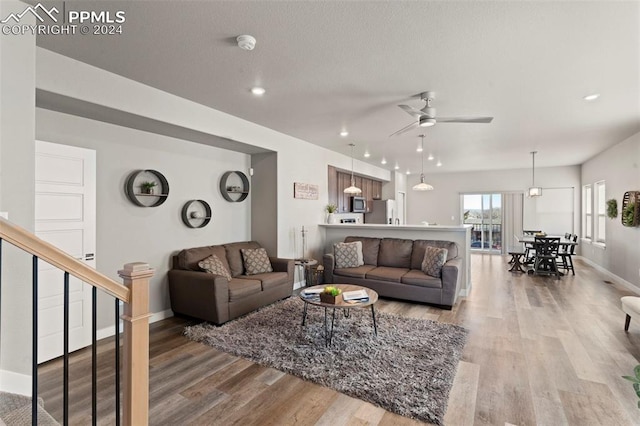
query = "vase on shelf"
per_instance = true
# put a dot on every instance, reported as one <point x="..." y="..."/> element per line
<point x="331" y="218"/>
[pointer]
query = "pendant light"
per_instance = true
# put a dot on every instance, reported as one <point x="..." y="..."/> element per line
<point x="534" y="191"/>
<point x="353" y="189"/>
<point x="422" y="186"/>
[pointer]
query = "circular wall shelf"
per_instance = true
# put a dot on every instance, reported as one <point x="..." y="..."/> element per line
<point x="195" y="218"/>
<point x="227" y="190"/>
<point x="136" y="196"/>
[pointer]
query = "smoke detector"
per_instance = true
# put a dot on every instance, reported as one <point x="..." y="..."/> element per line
<point x="246" y="42"/>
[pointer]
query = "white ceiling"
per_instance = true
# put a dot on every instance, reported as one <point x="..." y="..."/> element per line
<point x="348" y="64"/>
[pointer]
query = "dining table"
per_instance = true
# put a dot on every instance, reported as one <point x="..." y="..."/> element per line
<point x="530" y="239"/>
<point x="564" y="244"/>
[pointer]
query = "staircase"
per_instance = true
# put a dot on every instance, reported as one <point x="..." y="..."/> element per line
<point x="132" y="384"/>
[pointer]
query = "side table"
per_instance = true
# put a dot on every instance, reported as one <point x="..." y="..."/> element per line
<point x="306" y="269"/>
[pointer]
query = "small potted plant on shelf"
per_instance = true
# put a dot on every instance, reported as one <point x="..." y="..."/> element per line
<point x="331" y="295"/>
<point x="147" y="187"/>
<point x="331" y="210"/>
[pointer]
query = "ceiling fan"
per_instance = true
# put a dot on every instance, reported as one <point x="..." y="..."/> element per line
<point x="427" y="115"/>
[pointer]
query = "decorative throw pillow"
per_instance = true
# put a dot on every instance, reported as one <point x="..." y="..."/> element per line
<point x="434" y="259"/>
<point x="214" y="265"/>
<point x="348" y="255"/>
<point x="256" y="261"/>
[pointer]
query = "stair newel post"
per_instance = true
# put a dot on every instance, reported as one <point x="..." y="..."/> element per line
<point x="135" y="346"/>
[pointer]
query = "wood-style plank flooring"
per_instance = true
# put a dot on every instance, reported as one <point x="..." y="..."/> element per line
<point x="540" y="351"/>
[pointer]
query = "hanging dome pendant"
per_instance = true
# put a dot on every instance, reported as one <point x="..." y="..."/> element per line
<point x="422" y="186"/>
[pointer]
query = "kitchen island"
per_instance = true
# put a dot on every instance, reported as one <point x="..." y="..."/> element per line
<point x="461" y="235"/>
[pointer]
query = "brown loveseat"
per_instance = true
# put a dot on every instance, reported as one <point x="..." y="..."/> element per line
<point x="212" y="297"/>
<point x="392" y="267"/>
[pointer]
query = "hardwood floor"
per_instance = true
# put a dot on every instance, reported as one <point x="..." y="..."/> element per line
<point x="540" y="351"/>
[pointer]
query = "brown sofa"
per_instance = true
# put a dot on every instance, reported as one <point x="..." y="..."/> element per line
<point x="392" y="267"/>
<point x="213" y="298"/>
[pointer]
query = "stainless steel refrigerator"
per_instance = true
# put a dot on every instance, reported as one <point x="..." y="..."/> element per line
<point x="382" y="211"/>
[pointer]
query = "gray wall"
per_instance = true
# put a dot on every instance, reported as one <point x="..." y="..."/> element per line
<point x="127" y="233"/>
<point x="264" y="201"/>
<point x="619" y="167"/>
<point x="17" y="186"/>
<point x="443" y="203"/>
<point x="298" y="160"/>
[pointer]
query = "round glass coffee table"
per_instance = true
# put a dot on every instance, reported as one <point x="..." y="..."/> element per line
<point x="311" y="296"/>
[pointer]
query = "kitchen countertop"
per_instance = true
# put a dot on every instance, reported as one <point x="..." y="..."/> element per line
<point x="453" y="228"/>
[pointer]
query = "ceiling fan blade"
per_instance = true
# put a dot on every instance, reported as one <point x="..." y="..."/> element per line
<point x="464" y="119"/>
<point x="412" y="111"/>
<point x="405" y="129"/>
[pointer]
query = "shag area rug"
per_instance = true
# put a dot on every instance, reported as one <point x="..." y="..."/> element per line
<point x="407" y="369"/>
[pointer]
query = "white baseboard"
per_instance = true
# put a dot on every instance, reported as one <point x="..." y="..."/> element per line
<point x="611" y="275"/>
<point x="110" y="331"/>
<point x="15" y="382"/>
<point x="159" y="316"/>
<point x="464" y="292"/>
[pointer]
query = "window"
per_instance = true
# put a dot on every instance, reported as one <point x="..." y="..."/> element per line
<point x="587" y="215"/>
<point x="600" y="209"/>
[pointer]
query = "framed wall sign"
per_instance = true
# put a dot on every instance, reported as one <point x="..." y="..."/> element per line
<point x="306" y="191"/>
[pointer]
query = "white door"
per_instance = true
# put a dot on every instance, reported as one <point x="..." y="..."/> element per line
<point x="65" y="216"/>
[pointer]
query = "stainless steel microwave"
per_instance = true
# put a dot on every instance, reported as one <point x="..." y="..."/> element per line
<point x="358" y="205"/>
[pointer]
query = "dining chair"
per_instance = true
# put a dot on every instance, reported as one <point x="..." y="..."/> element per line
<point x="566" y="255"/>
<point x="529" y="250"/>
<point x="546" y="255"/>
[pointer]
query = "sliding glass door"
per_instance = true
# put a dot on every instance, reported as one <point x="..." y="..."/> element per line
<point x="484" y="213"/>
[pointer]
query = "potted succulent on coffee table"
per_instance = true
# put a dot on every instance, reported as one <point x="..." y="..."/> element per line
<point x="331" y="295"/>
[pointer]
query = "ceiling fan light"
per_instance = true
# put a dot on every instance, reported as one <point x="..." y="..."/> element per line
<point x="427" y="122"/>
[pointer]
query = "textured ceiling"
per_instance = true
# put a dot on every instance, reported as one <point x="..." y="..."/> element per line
<point x="345" y="64"/>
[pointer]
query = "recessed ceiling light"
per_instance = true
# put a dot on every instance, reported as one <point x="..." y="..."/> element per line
<point x="396" y="167"/>
<point x="439" y="163"/>
<point x="408" y="172"/>
<point x="419" y="149"/>
<point x="383" y="161"/>
<point x="592" y="97"/>
<point x="430" y="157"/>
<point x="366" y="154"/>
<point x="344" y="133"/>
<point x="258" y="91"/>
